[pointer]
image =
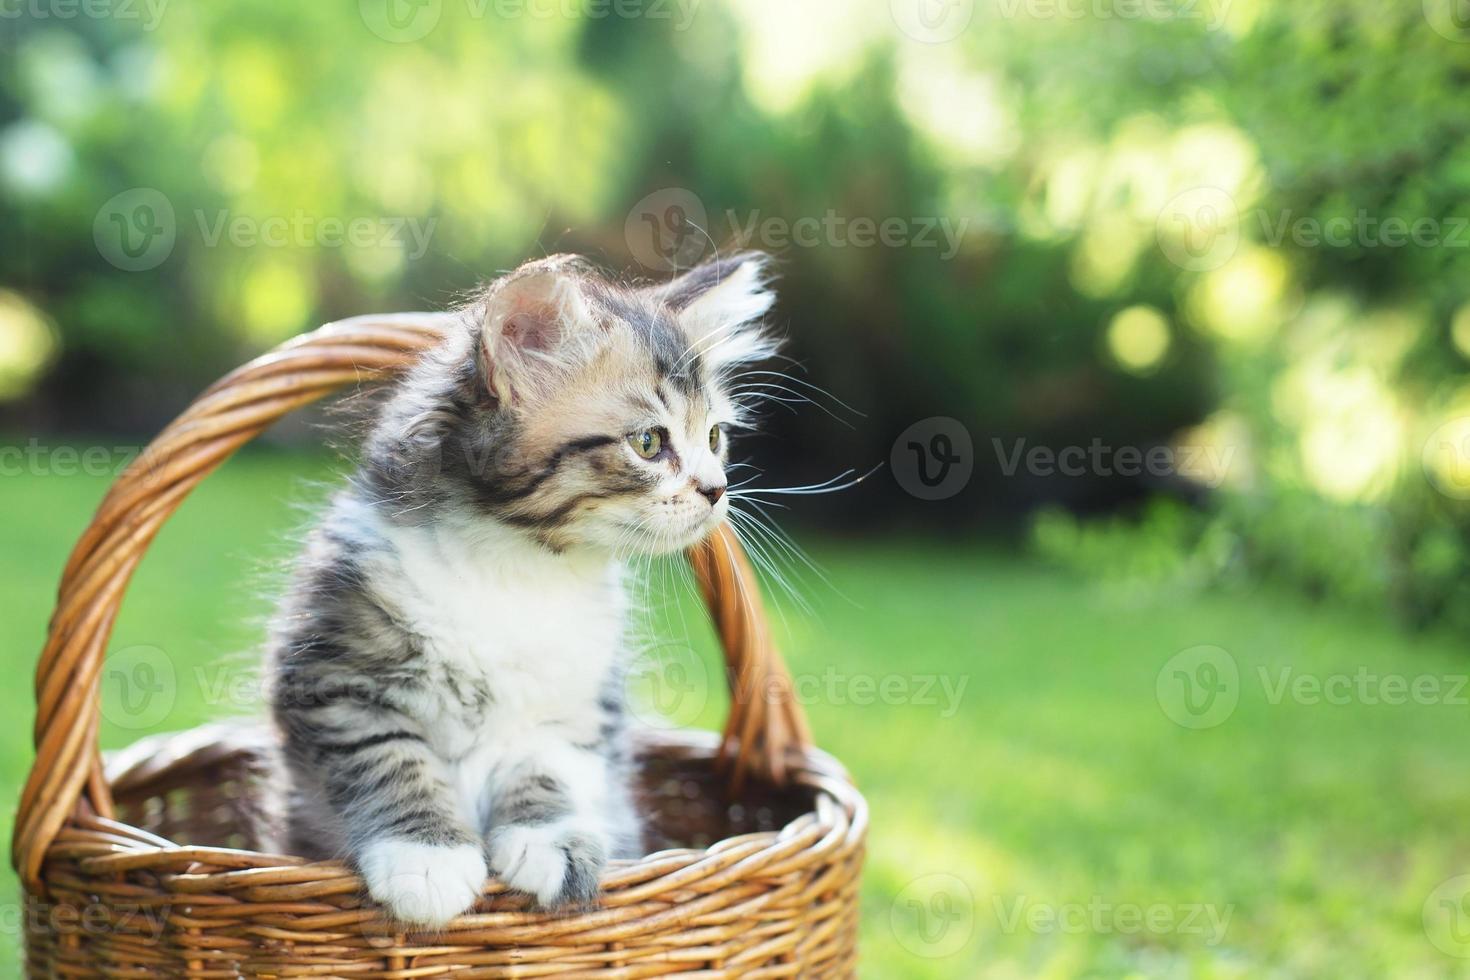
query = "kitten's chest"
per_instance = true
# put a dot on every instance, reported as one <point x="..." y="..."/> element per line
<point x="519" y="644"/>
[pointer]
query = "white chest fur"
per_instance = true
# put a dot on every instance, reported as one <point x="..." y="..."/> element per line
<point x="539" y="633"/>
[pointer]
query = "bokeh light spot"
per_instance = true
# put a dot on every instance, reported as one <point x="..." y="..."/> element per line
<point x="1460" y="330"/>
<point x="1138" y="338"/>
<point x="35" y="159"/>
<point x="277" y="298"/>
<point x="1245" y="300"/>
<point x="27" y="345"/>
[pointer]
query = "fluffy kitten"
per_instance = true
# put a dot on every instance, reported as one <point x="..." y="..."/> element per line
<point x="446" y="665"/>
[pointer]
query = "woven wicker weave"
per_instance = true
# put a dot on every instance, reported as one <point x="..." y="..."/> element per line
<point x="141" y="865"/>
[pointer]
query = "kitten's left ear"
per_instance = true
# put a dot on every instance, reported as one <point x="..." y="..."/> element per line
<point x="536" y="322"/>
<point x="720" y="305"/>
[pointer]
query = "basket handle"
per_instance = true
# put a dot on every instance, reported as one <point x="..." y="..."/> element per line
<point x="764" y="725"/>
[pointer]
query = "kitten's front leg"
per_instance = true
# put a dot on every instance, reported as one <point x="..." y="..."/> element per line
<point x="549" y="834"/>
<point x="416" y="855"/>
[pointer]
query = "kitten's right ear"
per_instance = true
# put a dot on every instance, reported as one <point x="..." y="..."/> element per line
<point x="720" y="305"/>
<point x="533" y="324"/>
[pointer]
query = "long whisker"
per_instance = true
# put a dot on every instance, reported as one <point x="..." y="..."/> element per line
<point x="784" y="542"/>
<point x="743" y="483"/>
<point x="797" y="398"/>
<point x="769" y="538"/>
<point x="785" y="403"/>
<point x="756" y="393"/>
<point x="745" y="531"/>
<point x="806" y="384"/>
<point x="826" y="486"/>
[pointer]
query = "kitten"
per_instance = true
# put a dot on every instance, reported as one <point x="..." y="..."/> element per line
<point x="445" y="668"/>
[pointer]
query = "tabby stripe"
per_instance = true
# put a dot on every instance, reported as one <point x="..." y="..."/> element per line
<point x="585" y="443"/>
<point x="557" y="515"/>
<point x="382" y="738"/>
<point x="566" y="449"/>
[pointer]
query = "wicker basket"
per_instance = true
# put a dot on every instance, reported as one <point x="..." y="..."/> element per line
<point x="143" y="864"/>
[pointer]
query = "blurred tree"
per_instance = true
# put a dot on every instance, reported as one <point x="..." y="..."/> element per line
<point x="1166" y="226"/>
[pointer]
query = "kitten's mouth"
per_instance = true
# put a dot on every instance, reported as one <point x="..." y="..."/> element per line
<point x="700" y="530"/>
<point x="707" y="526"/>
<point x="667" y="540"/>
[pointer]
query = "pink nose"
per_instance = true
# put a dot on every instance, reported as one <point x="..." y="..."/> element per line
<point x="713" y="494"/>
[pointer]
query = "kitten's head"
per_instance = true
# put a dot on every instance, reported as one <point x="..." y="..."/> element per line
<point x="587" y="413"/>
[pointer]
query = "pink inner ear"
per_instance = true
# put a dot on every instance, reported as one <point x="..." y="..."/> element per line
<point x="530" y="330"/>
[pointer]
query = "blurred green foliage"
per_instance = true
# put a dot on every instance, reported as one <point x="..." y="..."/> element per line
<point x="1235" y="225"/>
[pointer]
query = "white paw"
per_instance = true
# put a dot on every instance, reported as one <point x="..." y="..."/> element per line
<point x="425" y="884"/>
<point x="558" y="865"/>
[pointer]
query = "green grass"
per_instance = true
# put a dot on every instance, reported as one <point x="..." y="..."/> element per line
<point x="1030" y="796"/>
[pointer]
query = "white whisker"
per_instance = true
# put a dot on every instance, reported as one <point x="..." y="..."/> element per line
<point x="826" y="486"/>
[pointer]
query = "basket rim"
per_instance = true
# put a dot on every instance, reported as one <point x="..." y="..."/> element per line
<point x="828" y="831"/>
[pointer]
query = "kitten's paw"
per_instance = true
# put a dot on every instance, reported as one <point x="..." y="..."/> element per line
<point x="425" y="884"/>
<point x="559" y="865"/>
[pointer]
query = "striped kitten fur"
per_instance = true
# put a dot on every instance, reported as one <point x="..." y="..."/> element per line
<point x="446" y="665"/>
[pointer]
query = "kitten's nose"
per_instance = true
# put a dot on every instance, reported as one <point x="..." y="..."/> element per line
<point x="713" y="494"/>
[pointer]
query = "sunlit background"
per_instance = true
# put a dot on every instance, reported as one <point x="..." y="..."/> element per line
<point x="1155" y="313"/>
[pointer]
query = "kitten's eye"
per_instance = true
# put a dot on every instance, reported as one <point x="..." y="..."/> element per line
<point x="646" y="443"/>
<point x="714" y="439"/>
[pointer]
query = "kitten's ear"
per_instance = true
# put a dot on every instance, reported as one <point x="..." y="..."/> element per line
<point x="535" y="322"/>
<point x="720" y="305"/>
